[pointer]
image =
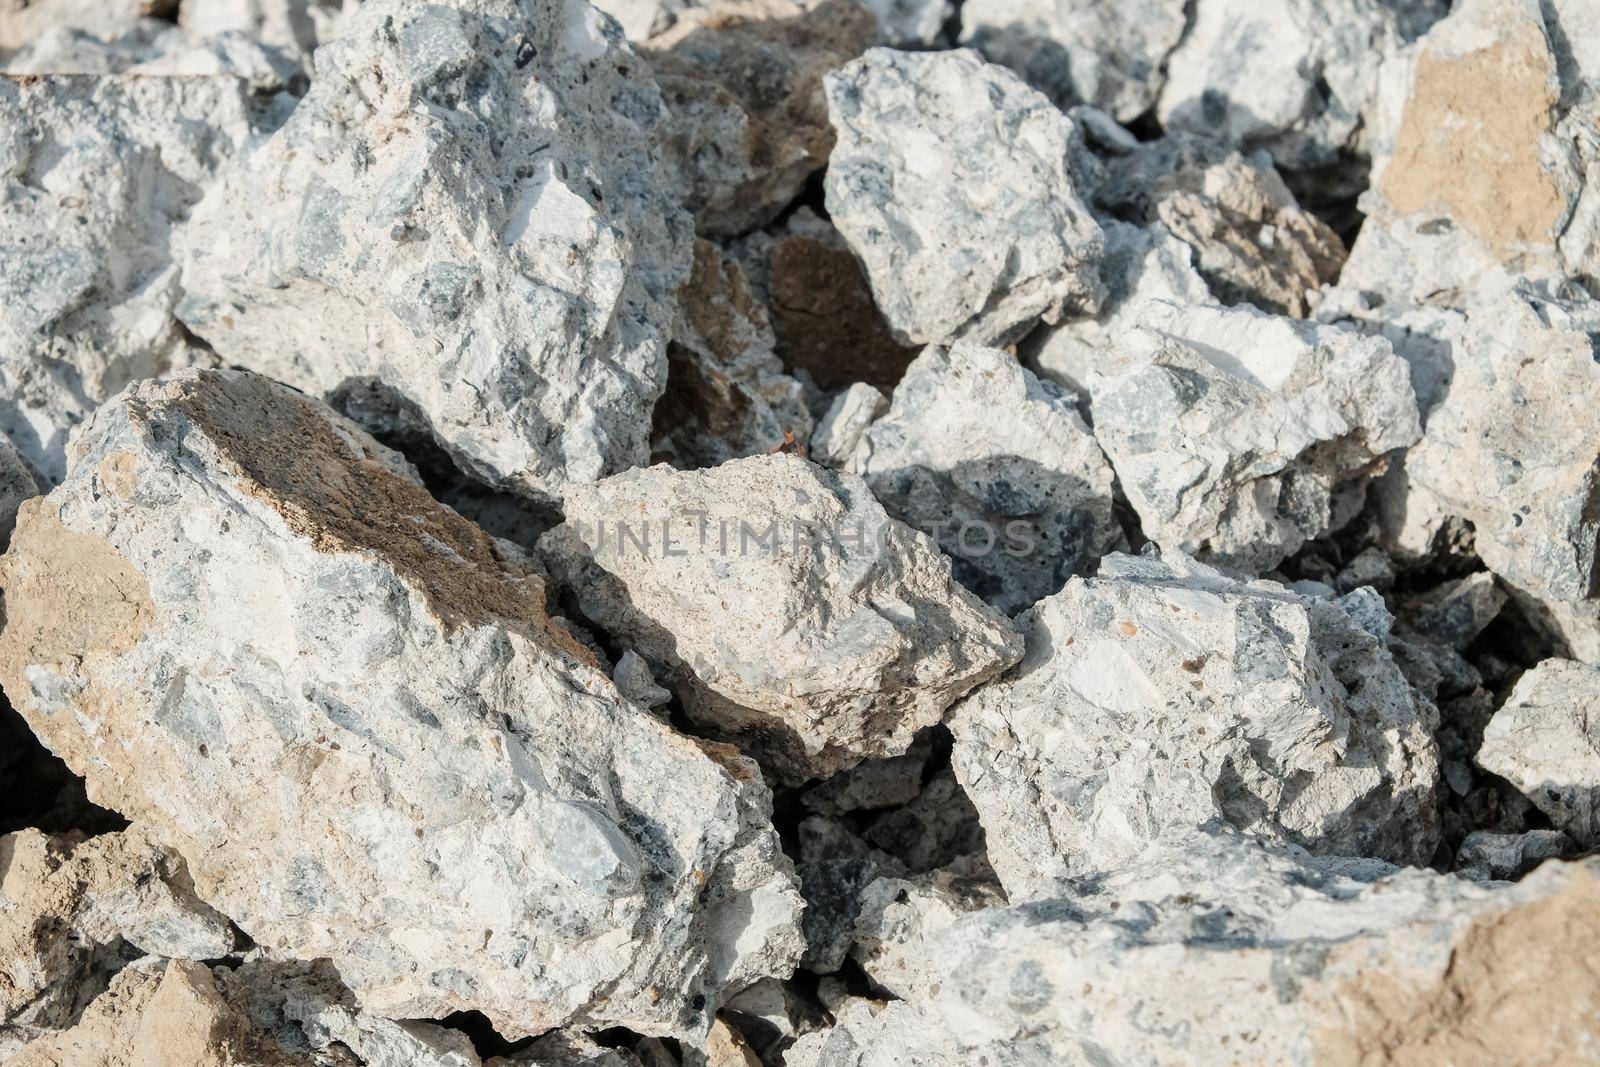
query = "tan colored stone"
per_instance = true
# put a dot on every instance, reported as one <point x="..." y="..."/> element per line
<point x="1469" y="144"/>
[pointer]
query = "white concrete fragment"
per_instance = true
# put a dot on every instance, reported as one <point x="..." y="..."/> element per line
<point x="467" y="207"/>
<point x="1080" y="51"/>
<point x="841" y="427"/>
<point x="97" y="176"/>
<point x="1545" y="740"/>
<point x="789" y="613"/>
<point x="346" y="708"/>
<point x="998" y="467"/>
<point x="951" y="181"/>
<point x="1162" y="694"/>
<point x="1221" y="951"/>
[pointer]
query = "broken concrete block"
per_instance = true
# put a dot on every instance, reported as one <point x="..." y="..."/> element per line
<point x="97" y="176"/>
<point x="276" y="645"/>
<point x="1545" y="740"/>
<point x="510" y="280"/>
<point x="21" y="21"/>
<point x="742" y="82"/>
<point x="840" y="429"/>
<point x="1252" y="241"/>
<point x="1239" y="436"/>
<point x="1297" y="78"/>
<point x="787" y="610"/>
<point x="1020" y="503"/>
<point x="1225" y="949"/>
<point x="1160" y="694"/>
<point x="951" y="182"/>
<point x="1078" y="51"/>
<point x="73" y="910"/>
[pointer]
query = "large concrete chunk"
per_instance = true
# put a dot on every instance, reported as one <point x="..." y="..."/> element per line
<point x="790" y="613"/>
<point x="1487" y="164"/>
<point x="73" y="910"/>
<point x="1020" y="503"/>
<point x="97" y="176"/>
<point x="748" y="123"/>
<point x="951" y="181"/>
<point x="1545" y="740"/>
<point x="1162" y="694"/>
<point x="1298" y="78"/>
<point x="466" y="207"/>
<point x="345" y="706"/>
<point x="1081" y="51"/>
<point x="1219" y="951"/>
<point x="1238" y="436"/>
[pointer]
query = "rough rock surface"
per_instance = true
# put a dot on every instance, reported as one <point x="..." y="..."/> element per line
<point x="1489" y="164"/>
<point x="1298" y="78"/>
<point x="727" y="395"/>
<point x="97" y="176"/>
<point x="21" y="21"/>
<point x="1239" y="436"/>
<point x="157" y="1013"/>
<point x="1020" y="503"/>
<point x="1220" y="950"/>
<point x="72" y="910"/>
<point x="1252" y="241"/>
<point x="345" y="707"/>
<point x="951" y="182"/>
<point x="17" y="483"/>
<point x="468" y="208"/>
<point x="1487" y="856"/>
<point x="748" y="124"/>
<point x="788" y="611"/>
<point x="1545" y="740"/>
<point x="1081" y="51"/>
<point x="1509" y="444"/>
<point x="1163" y="694"/>
<point x="839" y="431"/>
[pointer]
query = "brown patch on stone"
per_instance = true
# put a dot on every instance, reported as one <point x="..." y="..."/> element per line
<point x="825" y="320"/>
<point x="1469" y="141"/>
<point x="335" y="491"/>
<point x="117" y="473"/>
<point x="67" y="595"/>
<point x="1522" y="987"/>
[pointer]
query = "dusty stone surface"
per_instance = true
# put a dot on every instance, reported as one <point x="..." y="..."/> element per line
<point x="787" y="610"/>
<point x="1298" y="78"/>
<point x="17" y="483"/>
<point x="1219" y="950"/>
<point x="950" y="180"/>
<point x="157" y="1013"/>
<point x="748" y="124"/>
<point x="1545" y="740"/>
<point x="1021" y="503"/>
<point x="251" y="629"/>
<point x="1238" y="436"/>
<point x="1508" y="445"/>
<point x="21" y="21"/>
<point x="511" y="280"/>
<point x="1252" y="242"/>
<point x="1486" y="165"/>
<point x="72" y="910"/>
<point x="1077" y="51"/>
<point x="97" y="178"/>
<point x="839" y="431"/>
<point x="1161" y="694"/>
<point x="727" y="394"/>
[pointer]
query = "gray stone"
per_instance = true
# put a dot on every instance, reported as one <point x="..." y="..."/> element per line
<point x="781" y="603"/>
<point x="952" y="183"/>
<point x="1162" y="694"/>
<point x="510" y="279"/>
<point x="1485" y="856"/>
<point x="1080" y="51"/>
<point x="346" y="708"/>
<point x="841" y="427"/>
<point x="1545" y="740"/>
<point x="998" y="467"/>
